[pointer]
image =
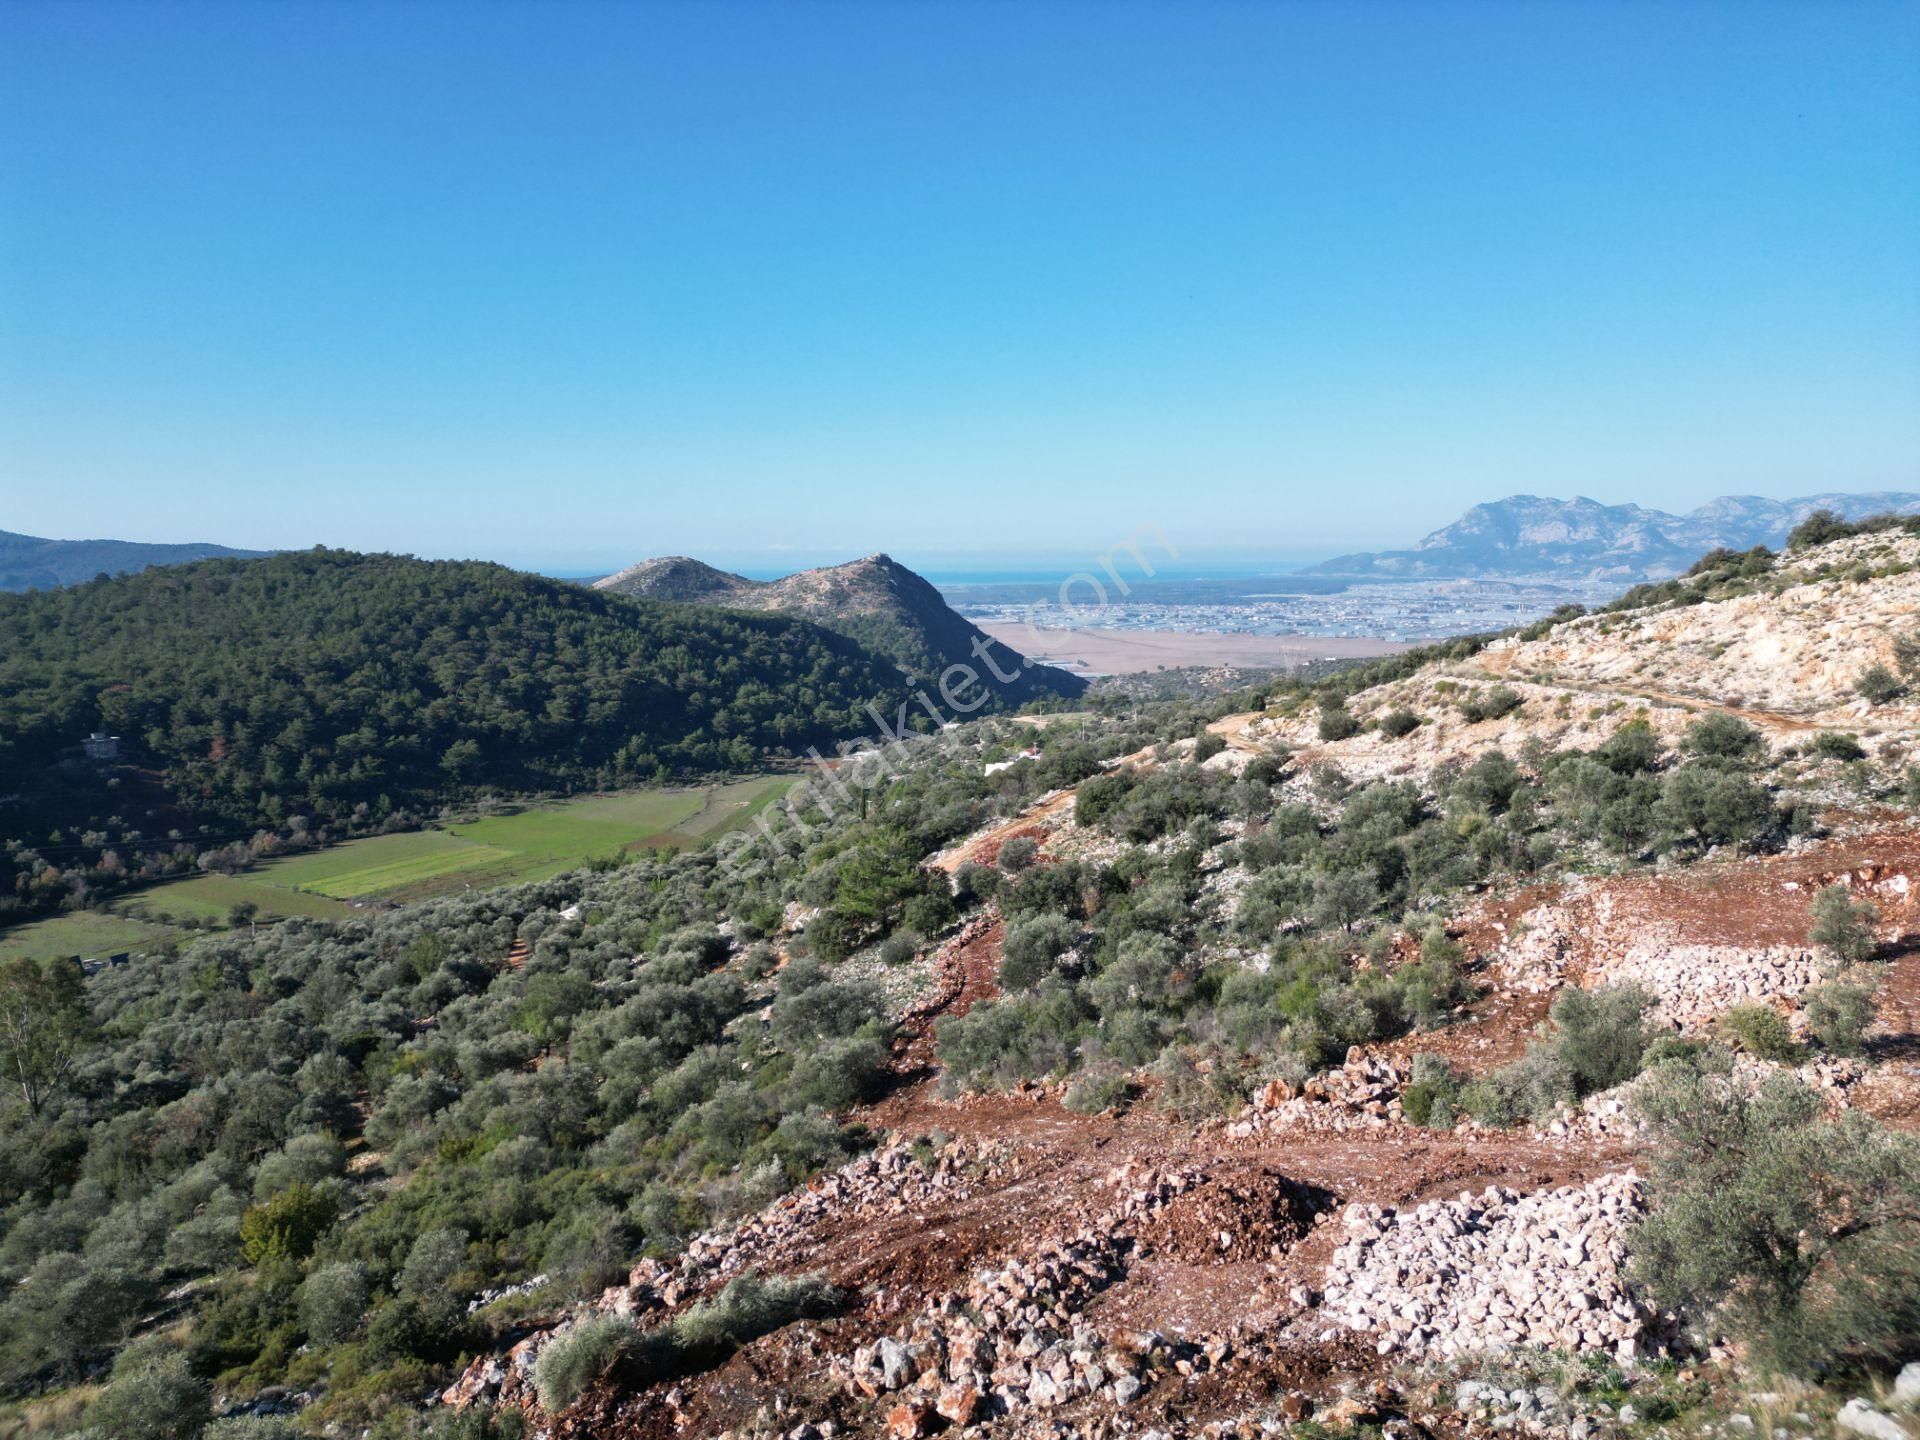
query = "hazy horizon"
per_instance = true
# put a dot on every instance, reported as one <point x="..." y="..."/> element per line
<point x="1026" y="560"/>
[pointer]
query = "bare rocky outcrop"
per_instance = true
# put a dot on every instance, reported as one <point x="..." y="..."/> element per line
<point x="1785" y="658"/>
<point x="1797" y="652"/>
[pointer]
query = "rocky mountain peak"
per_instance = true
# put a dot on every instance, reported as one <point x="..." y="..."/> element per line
<point x="1535" y="536"/>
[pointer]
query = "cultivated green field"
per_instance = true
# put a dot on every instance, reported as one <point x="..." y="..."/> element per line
<point x="381" y="864"/>
<point x="212" y="897"/>
<point x="533" y="843"/>
<point x="85" y="933"/>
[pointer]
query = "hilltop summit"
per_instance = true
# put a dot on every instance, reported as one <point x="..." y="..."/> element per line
<point x="875" y="600"/>
<point x="674" y="577"/>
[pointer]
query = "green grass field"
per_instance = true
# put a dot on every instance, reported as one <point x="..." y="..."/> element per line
<point x="212" y="897"/>
<point x="379" y="864"/>
<point x="85" y="933"/>
<point x="533" y="843"/>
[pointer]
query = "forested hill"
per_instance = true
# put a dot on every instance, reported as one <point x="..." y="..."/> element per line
<point x="317" y="681"/>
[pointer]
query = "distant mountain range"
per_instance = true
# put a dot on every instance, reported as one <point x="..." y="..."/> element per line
<point x="28" y="562"/>
<point x="876" y="601"/>
<point x="1581" y="539"/>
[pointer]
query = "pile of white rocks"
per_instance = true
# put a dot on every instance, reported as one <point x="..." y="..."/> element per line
<point x="1608" y="1115"/>
<point x="1536" y="951"/>
<point x="1492" y="1271"/>
<point x="893" y="1180"/>
<point x="506" y="1292"/>
<point x="1697" y="984"/>
<point x="1011" y="1338"/>
<point x="1361" y="1095"/>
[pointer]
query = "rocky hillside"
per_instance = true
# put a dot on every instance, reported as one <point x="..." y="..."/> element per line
<point x="1535" y="537"/>
<point x="28" y="562"/>
<point x="1785" y="650"/>
<point x="1442" y="1231"/>
<point x="877" y="601"/>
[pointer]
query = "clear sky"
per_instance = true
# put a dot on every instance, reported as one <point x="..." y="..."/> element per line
<point x="569" y="284"/>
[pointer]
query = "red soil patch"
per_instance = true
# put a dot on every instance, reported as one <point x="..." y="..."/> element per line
<point x="964" y="974"/>
<point x="987" y="851"/>
<point x="1030" y="821"/>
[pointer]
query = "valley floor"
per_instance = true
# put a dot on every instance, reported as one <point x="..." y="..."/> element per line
<point x="1096" y="651"/>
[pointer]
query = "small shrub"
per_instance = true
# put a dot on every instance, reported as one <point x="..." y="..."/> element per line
<point x="704" y="1335"/>
<point x="1343" y="897"/>
<point x="1832" y="745"/>
<point x="153" y="1395"/>
<point x="1396" y="724"/>
<point x="1633" y="749"/>
<point x="1712" y="806"/>
<point x="333" y="1302"/>
<point x="1722" y="736"/>
<point x="412" y="1327"/>
<point x="436" y="1257"/>
<point x="1600" y="1040"/>
<point x="287" y="1226"/>
<point x="1838" y="1015"/>
<point x="747" y="1309"/>
<point x="1759" y="1030"/>
<point x="1338" y="723"/>
<point x="1094" y="1092"/>
<point x="899" y="947"/>
<point x="1432" y="1098"/>
<point x="1843" y="926"/>
<point x="973" y="883"/>
<point x="1531" y="1088"/>
<point x="1207" y="745"/>
<point x="1031" y="946"/>
<point x="1018" y="853"/>
<point x="1817" y="529"/>
<point x="1878" y="685"/>
<point x="1906" y="654"/>
<point x="1494" y="702"/>
<point x="569" y="1365"/>
<point x="1602" y="1035"/>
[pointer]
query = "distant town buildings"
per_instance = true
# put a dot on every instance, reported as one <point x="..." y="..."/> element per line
<point x="1413" y="610"/>
<point x="101" y="746"/>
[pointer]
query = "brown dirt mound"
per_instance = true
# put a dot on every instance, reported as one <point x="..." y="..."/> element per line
<point x="1249" y="1212"/>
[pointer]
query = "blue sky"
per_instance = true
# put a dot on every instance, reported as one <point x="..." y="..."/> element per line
<point x="569" y="284"/>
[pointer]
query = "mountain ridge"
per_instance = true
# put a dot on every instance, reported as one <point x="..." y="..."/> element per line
<point x="875" y="600"/>
<point x="32" y="562"/>
<point x="1533" y="535"/>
